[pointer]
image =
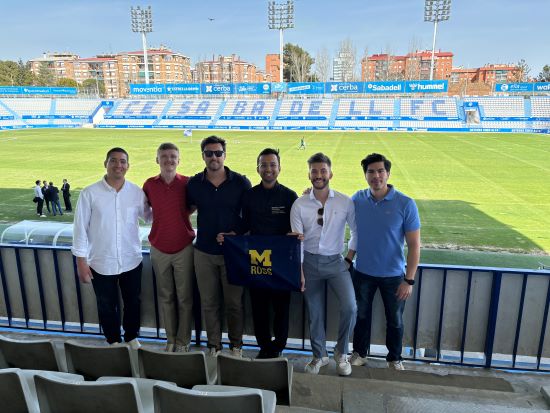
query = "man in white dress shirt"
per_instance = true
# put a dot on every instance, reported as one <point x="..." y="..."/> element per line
<point x="321" y="216"/>
<point x="107" y="246"/>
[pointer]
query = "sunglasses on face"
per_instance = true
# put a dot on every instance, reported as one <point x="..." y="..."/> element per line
<point x="320" y="212"/>
<point x="210" y="154"/>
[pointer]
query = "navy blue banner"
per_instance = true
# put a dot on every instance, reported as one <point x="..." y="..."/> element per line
<point x="263" y="261"/>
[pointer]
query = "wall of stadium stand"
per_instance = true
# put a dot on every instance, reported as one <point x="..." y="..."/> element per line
<point x="476" y="316"/>
<point x="438" y="114"/>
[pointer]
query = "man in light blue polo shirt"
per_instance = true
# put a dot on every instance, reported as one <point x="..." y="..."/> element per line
<point x="385" y="219"/>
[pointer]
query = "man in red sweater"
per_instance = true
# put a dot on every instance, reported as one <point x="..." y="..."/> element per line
<point x="171" y="241"/>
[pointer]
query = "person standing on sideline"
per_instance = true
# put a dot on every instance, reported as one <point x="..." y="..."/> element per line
<point x="65" y="188"/>
<point x="39" y="199"/>
<point x="46" y="194"/>
<point x="321" y="216"/>
<point x="386" y="219"/>
<point x="171" y="241"/>
<point x="217" y="194"/>
<point x="54" y="199"/>
<point x="266" y="211"/>
<point x="107" y="246"/>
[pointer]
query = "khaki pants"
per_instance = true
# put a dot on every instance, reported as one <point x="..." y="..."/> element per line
<point x="175" y="281"/>
<point x="215" y="291"/>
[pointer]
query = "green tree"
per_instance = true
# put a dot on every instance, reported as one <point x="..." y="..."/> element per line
<point x="45" y="75"/>
<point x="297" y="64"/>
<point x="65" y="82"/>
<point x="8" y="73"/>
<point x="25" y="76"/>
<point x="93" y="87"/>
<point x="544" y="76"/>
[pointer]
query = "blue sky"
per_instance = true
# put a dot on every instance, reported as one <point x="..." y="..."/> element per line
<point x="478" y="32"/>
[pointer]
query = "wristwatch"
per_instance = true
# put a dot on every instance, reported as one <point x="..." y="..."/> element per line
<point x="348" y="260"/>
<point x="410" y="282"/>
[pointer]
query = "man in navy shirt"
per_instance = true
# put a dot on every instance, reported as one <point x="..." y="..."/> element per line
<point x="266" y="211"/>
<point x="217" y="194"/>
<point x="385" y="219"/>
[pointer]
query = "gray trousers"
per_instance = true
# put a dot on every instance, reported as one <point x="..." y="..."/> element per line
<point x="320" y="272"/>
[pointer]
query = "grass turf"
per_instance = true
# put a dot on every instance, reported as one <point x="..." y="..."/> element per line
<point x="481" y="192"/>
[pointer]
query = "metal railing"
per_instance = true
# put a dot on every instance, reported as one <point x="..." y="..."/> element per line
<point x="475" y="316"/>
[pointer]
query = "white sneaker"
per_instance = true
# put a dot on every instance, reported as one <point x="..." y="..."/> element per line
<point x="357" y="360"/>
<point x="343" y="367"/>
<point x="42" y="216"/>
<point x="169" y="347"/>
<point x="134" y="344"/>
<point x="212" y="352"/>
<point x="237" y="352"/>
<point x="396" y="365"/>
<point x="181" y="348"/>
<point x="315" y="364"/>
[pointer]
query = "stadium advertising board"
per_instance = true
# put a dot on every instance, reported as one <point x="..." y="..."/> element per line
<point x="217" y="88"/>
<point x="513" y="87"/>
<point x="252" y="88"/>
<point x="384" y="87"/>
<point x="541" y="87"/>
<point x="278" y="87"/>
<point x="426" y="86"/>
<point x="344" y="87"/>
<point x="311" y="88"/>
<point x="142" y="89"/>
<point x="37" y="90"/>
<point x="183" y="89"/>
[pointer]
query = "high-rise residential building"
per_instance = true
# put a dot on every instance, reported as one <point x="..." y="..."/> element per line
<point x="343" y="67"/>
<point x="273" y="66"/>
<point x="59" y="64"/>
<point x="225" y="69"/>
<point x="117" y="71"/>
<point x="481" y="80"/>
<point x="414" y="65"/>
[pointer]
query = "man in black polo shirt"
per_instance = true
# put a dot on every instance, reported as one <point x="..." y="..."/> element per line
<point x="217" y="194"/>
<point x="266" y="211"/>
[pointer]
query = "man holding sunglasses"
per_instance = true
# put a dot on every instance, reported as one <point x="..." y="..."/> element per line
<point x="217" y="194"/>
<point x="321" y="216"/>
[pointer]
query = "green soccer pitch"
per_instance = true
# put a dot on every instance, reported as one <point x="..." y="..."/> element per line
<point x="475" y="192"/>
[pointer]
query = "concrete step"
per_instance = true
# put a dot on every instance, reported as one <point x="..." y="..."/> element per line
<point x="385" y="403"/>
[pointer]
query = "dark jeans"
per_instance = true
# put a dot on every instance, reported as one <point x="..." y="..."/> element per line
<point x="56" y="206"/>
<point x="108" y="305"/>
<point x="365" y="288"/>
<point x="262" y="300"/>
<point x="39" y="206"/>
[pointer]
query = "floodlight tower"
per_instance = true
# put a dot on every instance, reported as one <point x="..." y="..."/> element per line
<point x="280" y="17"/>
<point x="436" y="11"/>
<point x="142" y="22"/>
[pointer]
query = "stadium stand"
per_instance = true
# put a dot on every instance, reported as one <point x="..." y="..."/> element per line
<point x="500" y="107"/>
<point x="540" y="107"/>
<point x="442" y="108"/>
<point x="494" y="113"/>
